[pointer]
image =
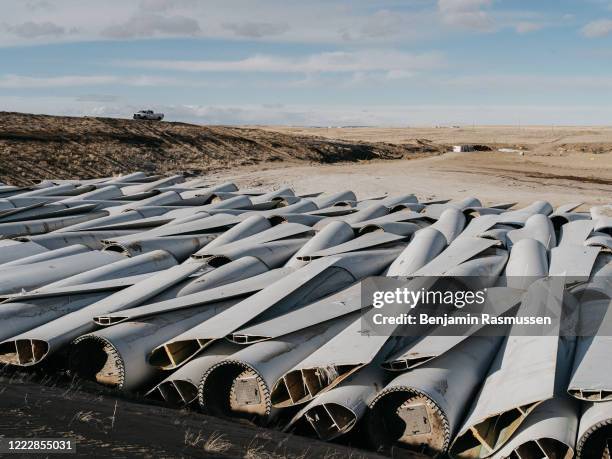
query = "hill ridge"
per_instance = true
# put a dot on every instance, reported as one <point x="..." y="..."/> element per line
<point x="33" y="147"/>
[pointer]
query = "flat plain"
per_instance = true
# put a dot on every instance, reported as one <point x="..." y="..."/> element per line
<point x="558" y="164"/>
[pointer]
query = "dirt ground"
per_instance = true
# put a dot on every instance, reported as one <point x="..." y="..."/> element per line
<point x="102" y="425"/>
<point x="558" y="164"/>
<point x="492" y="177"/>
<point x="35" y="147"/>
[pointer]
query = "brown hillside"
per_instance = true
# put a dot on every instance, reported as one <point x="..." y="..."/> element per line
<point x="41" y="146"/>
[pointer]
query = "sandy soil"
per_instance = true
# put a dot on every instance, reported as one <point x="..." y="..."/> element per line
<point x="490" y="176"/>
<point x="559" y="164"/>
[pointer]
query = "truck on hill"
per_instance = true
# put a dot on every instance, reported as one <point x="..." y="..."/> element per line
<point x="148" y="115"/>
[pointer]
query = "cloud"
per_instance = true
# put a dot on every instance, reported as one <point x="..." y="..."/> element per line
<point x="527" y="27"/>
<point x="327" y="115"/>
<point x="148" y="24"/>
<point x="318" y="21"/>
<point x="597" y="29"/>
<point x="256" y="29"/>
<point x="97" y="98"/>
<point x="383" y="23"/>
<point x="31" y="29"/>
<point x="166" y="5"/>
<point x="399" y="74"/>
<point x="392" y="115"/>
<point x="375" y="79"/>
<point x="458" y="6"/>
<point x="38" y="5"/>
<point x="68" y="81"/>
<point x="315" y="22"/>
<point x="528" y="83"/>
<point x="334" y="61"/>
<point x="324" y="115"/>
<point x="466" y="13"/>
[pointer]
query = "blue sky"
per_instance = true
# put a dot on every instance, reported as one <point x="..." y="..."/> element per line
<point x="321" y="62"/>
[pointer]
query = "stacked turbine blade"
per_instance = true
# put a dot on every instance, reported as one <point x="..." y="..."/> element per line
<point x="248" y="303"/>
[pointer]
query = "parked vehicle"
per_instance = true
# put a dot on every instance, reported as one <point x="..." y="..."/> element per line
<point x="148" y="115"/>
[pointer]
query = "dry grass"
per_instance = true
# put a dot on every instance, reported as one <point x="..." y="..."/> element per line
<point x="216" y="443"/>
<point x="141" y="430"/>
<point x="193" y="439"/>
<point x="38" y="146"/>
<point x="259" y="451"/>
<point x="84" y="416"/>
<point x="114" y="416"/>
<point x="102" y="424"/>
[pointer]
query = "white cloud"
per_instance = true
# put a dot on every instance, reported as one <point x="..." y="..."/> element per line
<point x="166" y="5"/>
<point x="468" y="14"/>
<point x="599" y="28"/>
<point x="31" y="29"/>
<point x="399" y="74"/>
<point x="381" y="24"/>
<point x="318" y="21"/>
<point x="527" y="27"/>
<point x="388" y="115"/>
<point x="368" y="79"/>
<point x="97" y="98"/>
<point x="38" y="5"/>
<point x="68" y="81"/>
<point x="335" y="61"/>
<point x="325" y="115"/>
<point x="256" y="29"/>
<point x="148" y="25"/>
<point x="528" y="83"/>
<point x="19" y="81"/>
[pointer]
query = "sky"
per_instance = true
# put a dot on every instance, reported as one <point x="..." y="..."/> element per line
<point x="312" y="63"/>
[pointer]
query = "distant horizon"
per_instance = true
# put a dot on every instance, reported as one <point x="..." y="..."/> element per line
<point x="306" y="126"/>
